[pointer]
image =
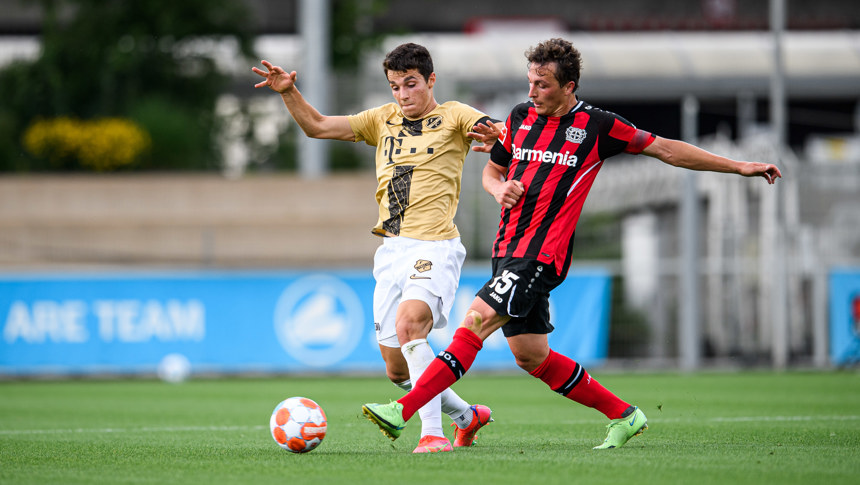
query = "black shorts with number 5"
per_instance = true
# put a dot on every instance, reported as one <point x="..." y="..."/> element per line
<point x="520" y="289"/>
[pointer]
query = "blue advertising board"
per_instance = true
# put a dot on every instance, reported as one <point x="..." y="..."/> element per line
<point x="244" y="321"/>
<point x="844" y="316"/>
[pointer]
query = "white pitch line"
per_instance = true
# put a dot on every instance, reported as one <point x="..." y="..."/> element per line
<point x="148" y="429"/>
<point x="174" y="429"/>
<point x="786" y="418"/>
<point x="735" y="419"/>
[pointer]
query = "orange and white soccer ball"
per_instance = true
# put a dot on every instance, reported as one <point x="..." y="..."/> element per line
<point x="298" y="424"/>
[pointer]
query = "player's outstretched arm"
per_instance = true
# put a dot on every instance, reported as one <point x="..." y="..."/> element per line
<point x="486" y="133"/>
<point x="685" y="155"/>
<point x="314" y="124"/>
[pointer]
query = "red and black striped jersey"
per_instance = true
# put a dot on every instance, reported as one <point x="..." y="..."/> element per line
<point x="556" y="159"/>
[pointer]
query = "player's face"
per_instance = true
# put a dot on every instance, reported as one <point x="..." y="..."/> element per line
<point x="548" y="96"/>
<point x="412" y="92"/>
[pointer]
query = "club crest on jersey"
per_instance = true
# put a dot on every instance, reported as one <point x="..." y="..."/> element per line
<point x="574" y="135"/>
<point x="422" y="265"/>
<point x="433" y="122"/>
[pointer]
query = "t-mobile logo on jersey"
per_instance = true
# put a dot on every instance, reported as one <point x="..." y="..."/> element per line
<point x="545" y="156"/>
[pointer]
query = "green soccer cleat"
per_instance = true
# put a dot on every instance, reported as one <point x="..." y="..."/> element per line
<point x="389" y="417"/>
<point x="622" y="429"/>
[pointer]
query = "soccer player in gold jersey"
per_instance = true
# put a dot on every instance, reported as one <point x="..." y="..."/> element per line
<point x="421" y="147"/>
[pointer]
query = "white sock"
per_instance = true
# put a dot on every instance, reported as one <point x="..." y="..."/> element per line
<point x="455" y="407"/>
<point x="461" y="419"/>
<point x="418" y="356"/>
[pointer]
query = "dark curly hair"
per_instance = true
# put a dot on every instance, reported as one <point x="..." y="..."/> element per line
<point x="409" y="56"/>
<point x="566" y="57"/>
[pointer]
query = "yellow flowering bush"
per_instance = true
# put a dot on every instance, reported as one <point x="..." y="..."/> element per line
<point x="102" y="144"/>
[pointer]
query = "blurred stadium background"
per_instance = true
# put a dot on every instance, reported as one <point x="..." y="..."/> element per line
<point x="132" y="140"/>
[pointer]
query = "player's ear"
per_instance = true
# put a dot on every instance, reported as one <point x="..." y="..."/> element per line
<point x="431" y="80"/>
<point x="569" y="88"/>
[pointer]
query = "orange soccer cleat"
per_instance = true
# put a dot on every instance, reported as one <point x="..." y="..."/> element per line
<point x="481" y="417"/>
<point x="433" y="444"/>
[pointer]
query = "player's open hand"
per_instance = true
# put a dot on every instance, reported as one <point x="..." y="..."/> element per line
<point x="767" y="170"/>
<point x="277" y="79"/>
<point x="487" y="134"/>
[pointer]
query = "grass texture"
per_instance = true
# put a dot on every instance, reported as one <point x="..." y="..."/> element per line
<point x="707" y="428"/>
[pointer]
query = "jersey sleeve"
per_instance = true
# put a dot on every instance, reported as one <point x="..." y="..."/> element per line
<point x="623" y="136"/>
<point x="501" y="153"/>
<point x="467" y="118"/>
<point x="365" y="125"/>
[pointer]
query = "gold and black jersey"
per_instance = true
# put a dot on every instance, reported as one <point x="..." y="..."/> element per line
<point x="419" y="165"/>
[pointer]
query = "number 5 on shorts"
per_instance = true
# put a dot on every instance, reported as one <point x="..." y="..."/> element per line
<point x="501" y="284"/>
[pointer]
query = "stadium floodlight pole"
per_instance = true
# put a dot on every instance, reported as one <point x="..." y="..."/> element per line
<point x="314" y="27"/>
<point x="689" y="342"/>
<point x="777" y="246"/>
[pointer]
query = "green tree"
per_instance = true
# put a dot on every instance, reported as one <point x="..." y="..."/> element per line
<point x="148" y="60"/>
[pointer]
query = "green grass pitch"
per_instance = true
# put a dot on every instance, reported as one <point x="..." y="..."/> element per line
<point x="706" y="428"/>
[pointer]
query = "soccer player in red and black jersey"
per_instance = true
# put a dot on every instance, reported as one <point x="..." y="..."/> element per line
<point x="540" y="172"/>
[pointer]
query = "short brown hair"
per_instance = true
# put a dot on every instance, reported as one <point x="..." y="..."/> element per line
<point x="409" y="56"/>
<point x="566" y="57"/>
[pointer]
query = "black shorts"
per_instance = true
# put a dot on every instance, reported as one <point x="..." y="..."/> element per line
<point x="520" y="289"/>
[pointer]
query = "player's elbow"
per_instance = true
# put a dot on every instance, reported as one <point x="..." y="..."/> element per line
<point x="313" y="131"/>
<point x="671" y="159"/>
<point x="667" y="151"/>
<point x="315" y="126"/>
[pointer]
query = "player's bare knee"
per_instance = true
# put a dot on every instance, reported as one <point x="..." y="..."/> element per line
<point x="527" y="362"/>
<point x="472" y="321"/>
<point x="527" y="365"/>
<point x="409" y="330"/>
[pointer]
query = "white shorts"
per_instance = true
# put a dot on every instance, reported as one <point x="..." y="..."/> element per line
<point x="411" y="269"/>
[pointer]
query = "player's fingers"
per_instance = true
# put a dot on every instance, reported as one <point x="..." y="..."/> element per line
<point x="776" y="171"/>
